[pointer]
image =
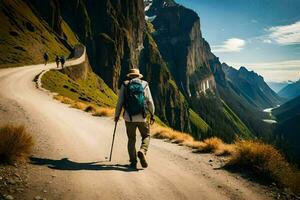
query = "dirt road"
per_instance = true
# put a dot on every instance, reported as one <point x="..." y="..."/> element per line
<point x="71" y="146"/>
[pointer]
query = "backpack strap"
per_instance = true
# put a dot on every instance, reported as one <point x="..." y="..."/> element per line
<point x="126" y="92"/>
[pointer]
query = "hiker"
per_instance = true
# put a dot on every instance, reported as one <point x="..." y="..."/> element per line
<point x="57" y="61"/>
<point x="46" y="57"/>
<point x="62" y="61"/>
<point x="136" y="98"/>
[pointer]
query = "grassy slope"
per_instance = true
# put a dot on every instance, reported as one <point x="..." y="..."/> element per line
<point x="92" y="90"/>
<point x="24" y="37"/>
<point x="244" y="132"/>
<point x="69" y="34"/>
<point x="197" y="121"/>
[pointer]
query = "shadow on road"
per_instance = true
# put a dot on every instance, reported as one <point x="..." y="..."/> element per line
<point x="66" y="164"/>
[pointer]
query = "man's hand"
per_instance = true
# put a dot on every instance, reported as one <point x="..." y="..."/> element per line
<point x="152" y="120"/>
<point x="116" y="119"/>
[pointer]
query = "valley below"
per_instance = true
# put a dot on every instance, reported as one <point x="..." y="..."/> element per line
<point x="271" y="119"/>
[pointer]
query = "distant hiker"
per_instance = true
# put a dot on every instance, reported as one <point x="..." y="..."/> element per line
<point x="62" y="61"/>
<point x="46" y="57"/>
<point x="57" y="61"/>
<point x="136" y="98"/>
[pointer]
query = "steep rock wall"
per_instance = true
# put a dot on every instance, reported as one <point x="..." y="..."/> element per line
<point x="179" y="38"/>
<point x="111" y="30"/>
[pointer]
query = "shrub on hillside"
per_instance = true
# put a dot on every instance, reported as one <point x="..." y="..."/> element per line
<point x="63" y="99"/>
<point x="79" y="105"/>
<point x="216" y="146"/>
<point x="101" y="111"/>
<point x="266" y="160"/>
<point x="210" y="145"/>
<point x="160" y="132"/>
<point x="15" y="144"/>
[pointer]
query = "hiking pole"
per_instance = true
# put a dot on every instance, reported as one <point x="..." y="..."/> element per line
<point x="112" y="144"/>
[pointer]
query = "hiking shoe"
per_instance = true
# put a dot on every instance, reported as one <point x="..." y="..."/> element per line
<point x="133" y="165"/>
<point x="142" y="158"/>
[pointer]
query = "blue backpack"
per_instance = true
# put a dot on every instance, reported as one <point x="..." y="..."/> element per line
<point x="135" y="98"/>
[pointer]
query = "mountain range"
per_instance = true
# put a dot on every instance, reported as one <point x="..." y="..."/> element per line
<point x="193" y="92"/>
<point x="277" y="86"/>
<point x="290" y="91"/>
<point x="252" y="87"/>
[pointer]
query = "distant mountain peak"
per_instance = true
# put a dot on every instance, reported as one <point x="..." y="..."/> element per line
<point x="252" y="86"/>
<point x="153" y="7"/>
<point x="290" y="91"/>
<point x="242" y="68"/>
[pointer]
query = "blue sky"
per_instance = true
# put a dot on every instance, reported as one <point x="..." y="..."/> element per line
<point x="263" y="35"/>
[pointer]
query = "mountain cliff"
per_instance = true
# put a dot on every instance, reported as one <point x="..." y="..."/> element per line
<point x="194" y="67"/>
<point x="290" y="91"/>
<point x="178" y="36"/>
<point x="111" y="30"/>
<point x="252" y="87"/>
<point x="288" y="128"/>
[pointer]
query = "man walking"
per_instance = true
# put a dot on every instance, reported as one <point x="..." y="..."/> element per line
<point x="46" y="58"/>
<point x="57" y="60"/>
<point x="135" y="97"/>
<point x="62" y="61"/>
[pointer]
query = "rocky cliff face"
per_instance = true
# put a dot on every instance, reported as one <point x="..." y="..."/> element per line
<point x="196" y="70"/>
<point x="171" y="105"/>
<point x="111" y="30"/>
<point x="179" y="38"/>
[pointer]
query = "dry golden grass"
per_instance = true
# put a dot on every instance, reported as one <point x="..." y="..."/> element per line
<point x="266" y="160"/>
<point x="263" y="158"/>
<point x="90" y="108"/>
<point x="79" y="105"/>
<point x="177" y="137"/>
<point x="106" y="112"/>
<point x="16" y="144"/>
<point x="63" y="99"/>
<point x="194" y="144"/>
<point x="95" y="110"/>
<point x="216" y="146"/>
<point x="210" y="145"/>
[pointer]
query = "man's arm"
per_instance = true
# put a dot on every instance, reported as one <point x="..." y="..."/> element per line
<point x="120" y="103"/>
<point x="149" y="100"/>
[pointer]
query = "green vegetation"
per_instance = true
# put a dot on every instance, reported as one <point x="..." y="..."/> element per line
<point x="159" y="122"/>
<point x="69" y="35"/>
<point x="25" y="38"/>
<point x="91" y="90"/>
<point x="198" y="122"/>
<point x="244" y="132"/>
<point x="16" y="144"/>
<point x="150" y="27"/>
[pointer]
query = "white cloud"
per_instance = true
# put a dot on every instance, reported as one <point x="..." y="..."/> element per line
<point x="285" y="35"/>
<point x="268" y="41"/>
<point x="274" y="71"/>
<point x="230" y="45"/>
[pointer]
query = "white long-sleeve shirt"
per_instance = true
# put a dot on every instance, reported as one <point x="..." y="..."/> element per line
<point x="149" y="105"/>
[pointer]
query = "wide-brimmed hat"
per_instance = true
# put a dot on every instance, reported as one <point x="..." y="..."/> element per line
<point x="134" y="73"/>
